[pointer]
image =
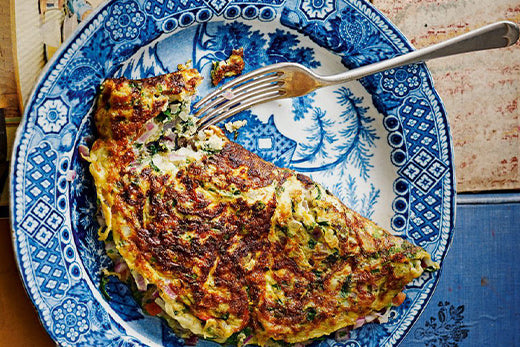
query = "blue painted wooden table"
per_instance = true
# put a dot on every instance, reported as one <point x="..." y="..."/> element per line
<point x="477" y="300"/>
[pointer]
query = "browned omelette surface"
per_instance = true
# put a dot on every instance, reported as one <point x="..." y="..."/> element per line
<point x="240" y="250"/>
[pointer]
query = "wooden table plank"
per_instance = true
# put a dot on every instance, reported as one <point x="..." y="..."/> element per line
<point x="8" y="89"/>
<point x="481" y="91"/>
<point x="19" y="324"/>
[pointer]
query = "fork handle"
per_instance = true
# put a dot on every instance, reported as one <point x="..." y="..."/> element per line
<point x="496" y="35"/>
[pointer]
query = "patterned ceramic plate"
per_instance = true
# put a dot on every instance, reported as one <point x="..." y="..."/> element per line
<point x="381" y="144"/>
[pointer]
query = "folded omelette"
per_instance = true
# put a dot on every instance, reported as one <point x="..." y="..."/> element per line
<point x="222" y="244"/>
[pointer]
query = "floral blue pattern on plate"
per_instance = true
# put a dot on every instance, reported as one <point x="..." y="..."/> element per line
<point x="381" y="144"/>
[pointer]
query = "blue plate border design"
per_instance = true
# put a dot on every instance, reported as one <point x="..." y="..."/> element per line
<point x="53" y="238"/>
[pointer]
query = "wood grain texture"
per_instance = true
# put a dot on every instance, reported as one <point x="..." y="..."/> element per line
<point x="29" y="45"/>
<point x="19" y="324"/>
<point x="8" y="93"/>
<point x="481" y="91"/>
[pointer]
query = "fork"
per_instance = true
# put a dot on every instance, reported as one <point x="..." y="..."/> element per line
<point x="287" y="80"/>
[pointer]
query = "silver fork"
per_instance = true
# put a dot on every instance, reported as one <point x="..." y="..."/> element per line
<point x="287" y="80"/>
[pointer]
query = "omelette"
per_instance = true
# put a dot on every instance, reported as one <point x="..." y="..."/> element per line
<point x="222" y="244"/>
<point x="232" y="66"/>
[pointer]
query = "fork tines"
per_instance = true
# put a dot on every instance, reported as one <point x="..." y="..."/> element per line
<point x="256" y="87"/>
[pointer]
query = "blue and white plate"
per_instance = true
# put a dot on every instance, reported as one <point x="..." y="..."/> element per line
<point x="381" y="144"/>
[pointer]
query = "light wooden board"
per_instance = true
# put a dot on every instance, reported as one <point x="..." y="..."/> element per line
<point x="8" y="90"/>
<point x="481" y="91"/>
